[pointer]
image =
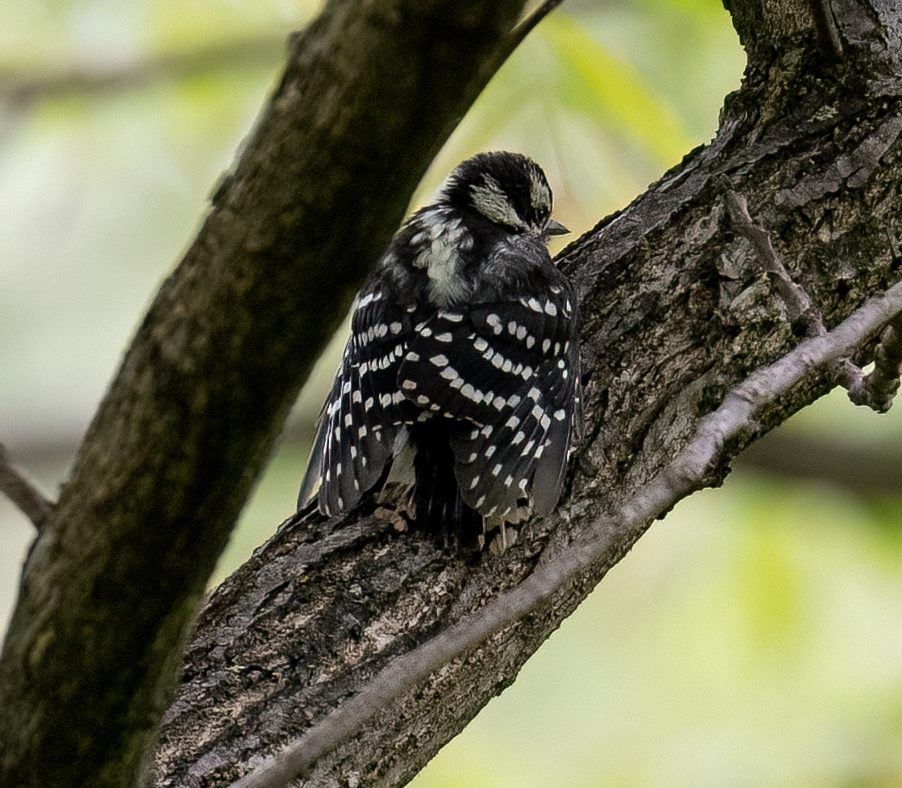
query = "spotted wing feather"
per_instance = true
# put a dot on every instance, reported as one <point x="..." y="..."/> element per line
<point x="364" y="411"/>
<point x="508" y="372"/>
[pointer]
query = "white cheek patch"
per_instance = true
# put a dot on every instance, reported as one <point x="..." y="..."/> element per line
<point x="492" y="202"/>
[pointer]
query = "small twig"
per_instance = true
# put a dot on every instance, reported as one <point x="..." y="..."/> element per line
<point x="26" y="497"/>
<point x="796" y="300"/>
<point x="798" y="305"/>
<point x="878" y="389"/>
<point x="736" y="415"/>
<point x="827" y="32"/>
<point x="849" y="375"/>
<point x="523" y="29"/>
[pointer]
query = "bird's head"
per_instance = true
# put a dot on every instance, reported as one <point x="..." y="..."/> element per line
<point x="508" y="189"/>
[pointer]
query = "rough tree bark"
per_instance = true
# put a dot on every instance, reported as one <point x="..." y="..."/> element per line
<point x="113" y="581"/>
<point x="682" y="299"/>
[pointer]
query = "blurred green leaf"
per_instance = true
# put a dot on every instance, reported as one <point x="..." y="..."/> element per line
<point x="592" y="81"/>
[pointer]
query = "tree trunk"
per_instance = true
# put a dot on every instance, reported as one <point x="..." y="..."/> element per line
<point x="684" y="294"/>
<point x="112" y="583"/>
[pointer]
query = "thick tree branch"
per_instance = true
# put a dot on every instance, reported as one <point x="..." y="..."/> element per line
<point x="369" y="93"/>
<point x="687" y="473"/>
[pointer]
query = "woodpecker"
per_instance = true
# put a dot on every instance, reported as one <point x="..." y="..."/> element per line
<point x="459" y="388"/>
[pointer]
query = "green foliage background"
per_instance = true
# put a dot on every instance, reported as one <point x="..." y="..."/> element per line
<point x="751" y="639"/>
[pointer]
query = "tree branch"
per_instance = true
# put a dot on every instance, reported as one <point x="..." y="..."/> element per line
<point x="687" y="473"/>
<point x="24" y="495"/>
<point x="878" y="389"/>
<point x="110" y="588"/>
<point x="796" y="300"/>
<point x="523" y="29"/>
<point x="827" y="32"/>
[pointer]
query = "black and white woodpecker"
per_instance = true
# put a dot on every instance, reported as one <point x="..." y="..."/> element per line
<point x="460" y="385"/>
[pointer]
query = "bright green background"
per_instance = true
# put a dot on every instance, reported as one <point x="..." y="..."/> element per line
<point x="751" y="639"/>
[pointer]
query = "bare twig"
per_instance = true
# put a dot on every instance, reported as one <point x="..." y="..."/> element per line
<point x="523" y="29"/>
<point x="875" y="392"/>
<point x="878" y="389"/>
<point x="850" y="376"/>
<point x="798" y="305"/>
<point x="27" y="498"/>
<point x="735" y="416"/>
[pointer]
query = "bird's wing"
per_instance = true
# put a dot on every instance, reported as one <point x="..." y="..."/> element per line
<point x="357" y="426"/>
<point x="509" y="372"/>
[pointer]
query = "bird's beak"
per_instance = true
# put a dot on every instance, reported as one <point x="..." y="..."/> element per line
<point x="556" y="228"/>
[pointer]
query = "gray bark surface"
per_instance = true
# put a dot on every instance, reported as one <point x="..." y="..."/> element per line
<point x="112" y="583"/>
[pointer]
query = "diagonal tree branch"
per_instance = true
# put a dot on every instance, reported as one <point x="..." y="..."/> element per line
<point x="685" y="474"/>
<point x="369" y="93"/>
